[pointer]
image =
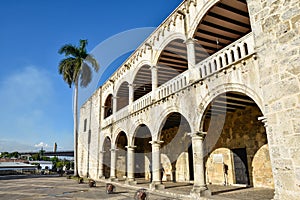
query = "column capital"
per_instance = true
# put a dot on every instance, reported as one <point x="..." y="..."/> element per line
<point x="156" y="142"/>
<point x="190" y="41"/>
<point x="264" y="120"/>
<point x="131" y="85"/>
<point x="153" y="67"/>
<point x="130" y="147"/>
<point x="114" y="149"/>
<point x="198" y="134"/>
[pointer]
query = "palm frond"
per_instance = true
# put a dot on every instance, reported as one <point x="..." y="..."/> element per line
<point x="69" y="50"/>
<point x="85" y="75"/>
<point x="66" y="69"/>
<point x="94" y="63"/>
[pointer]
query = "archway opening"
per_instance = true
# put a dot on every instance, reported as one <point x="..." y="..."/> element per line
<point x="142" y="82"/>
<point x="172" y="61"/>
<point x="176" y="143"/>
<point x="108" y="109"/>
<point x="234" y="135"/>
<point x="226" y="22"/>
<point x="121" y="165"/>
<point x="106" y="157"/>
<point x="143" y="152"/>
<point x="123" y="96"/>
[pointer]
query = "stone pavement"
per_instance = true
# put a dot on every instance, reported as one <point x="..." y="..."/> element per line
<point x="54" y="187"/>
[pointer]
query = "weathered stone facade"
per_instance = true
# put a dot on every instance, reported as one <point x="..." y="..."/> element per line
<point x="230" y="116"/>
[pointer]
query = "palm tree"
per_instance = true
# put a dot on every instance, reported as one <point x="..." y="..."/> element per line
<point x="76" y="68"/>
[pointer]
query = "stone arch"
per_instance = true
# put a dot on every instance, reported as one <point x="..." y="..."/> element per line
<point x="116" y="134"/>
<point x="142" y="82"/>
<point x="223" y="23"/>
<point x="137" y="68"/>
<point x="134" y="129"/>
<point x="200" y="16"/>
<point x="106" y="135"/>
<point x="108" y="105"/>
<point x="121" y="142"/>
<point x="165" y="42"/>
<point x="230" y="120"/>
<point x="228" y="88"/>
<point x="107" y="145"/>
<point x="163" y="116"/>
<point x="122" y="95"/>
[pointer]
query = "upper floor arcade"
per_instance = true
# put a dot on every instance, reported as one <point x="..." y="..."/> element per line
<point x="198" y="39"/>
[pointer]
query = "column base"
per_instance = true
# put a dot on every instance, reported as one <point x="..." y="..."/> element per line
<point x="102" y="177"/>
<point x="200" y="191"/>
<point x="156" y="186"/>
<point x="130" y="182"/>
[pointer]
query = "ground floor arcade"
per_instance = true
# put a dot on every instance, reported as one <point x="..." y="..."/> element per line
<point x="230" y="149"/>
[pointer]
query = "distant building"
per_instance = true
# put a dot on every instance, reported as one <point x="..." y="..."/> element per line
<point x="7" y="168"/>
<point x="43" y="164"/>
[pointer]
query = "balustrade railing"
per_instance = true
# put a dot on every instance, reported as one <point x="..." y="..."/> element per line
<point x="173" y="85"/>
<point x="232" y="53"/>
<point x="141" y="102"/>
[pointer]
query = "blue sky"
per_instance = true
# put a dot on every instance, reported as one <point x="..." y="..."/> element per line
<point x="36" y="105"/>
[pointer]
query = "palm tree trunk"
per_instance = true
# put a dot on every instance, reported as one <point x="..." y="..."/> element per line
<point x="75" y="110"/>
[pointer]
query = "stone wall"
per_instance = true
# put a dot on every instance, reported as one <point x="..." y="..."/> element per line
<point x="276" y="26"/>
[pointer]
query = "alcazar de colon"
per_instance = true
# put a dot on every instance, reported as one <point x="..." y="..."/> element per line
<point x="212" y="96"/>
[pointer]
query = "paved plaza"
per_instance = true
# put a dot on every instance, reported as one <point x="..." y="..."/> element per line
<point x="55" y="187"/>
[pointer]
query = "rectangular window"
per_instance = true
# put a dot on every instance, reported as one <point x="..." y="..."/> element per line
<point x="84" y="126"/>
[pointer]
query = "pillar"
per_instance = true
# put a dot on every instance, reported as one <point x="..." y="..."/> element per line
<point x="156" y="166"/>
<point x="200" y="187"/>
<point x="130" y="165"/>
<point x="154" y="81"/>
<point x="131" y="93"/>
<point x="100" y="173"/>
<point x="113" y="163"/>
<point x="114" y="99"/>
<point x="191" y="57"/>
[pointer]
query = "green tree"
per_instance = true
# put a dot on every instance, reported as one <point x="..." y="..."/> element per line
<point x="75" y="68"/>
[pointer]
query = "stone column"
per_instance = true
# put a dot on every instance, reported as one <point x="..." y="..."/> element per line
<point x="191" y="57"/>
<point x="130" y="165"/>
<point x="100" y="173"/>
<point x="154" y="82"/>
<point x="200" y="187"/>
<point x="131" y="93"/>
<point x="114" y="107"/>
<point x="113" y="163"/>
<point x="156" y="166"/>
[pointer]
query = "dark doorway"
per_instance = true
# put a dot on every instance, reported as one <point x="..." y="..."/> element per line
<point x="241" y="166"/>
<point x="191" y="162"/>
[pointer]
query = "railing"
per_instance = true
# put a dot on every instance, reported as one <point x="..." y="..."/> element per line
<point x="142" y="102"/>
<point x="234" y="52"/>
<point x="173" y="85"/>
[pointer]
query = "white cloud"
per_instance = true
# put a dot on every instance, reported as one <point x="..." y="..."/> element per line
<point x="41" y="144"/>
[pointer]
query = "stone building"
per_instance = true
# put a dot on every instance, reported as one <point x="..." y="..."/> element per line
<point x="212" y="96"/>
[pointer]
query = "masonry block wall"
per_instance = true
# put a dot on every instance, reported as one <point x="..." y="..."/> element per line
<point x="276" y="26"/>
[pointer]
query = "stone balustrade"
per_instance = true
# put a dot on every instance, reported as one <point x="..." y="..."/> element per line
<point x="142" y="102"/>
<point x="173" y="85"/>
<point x="231" y="54"/>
